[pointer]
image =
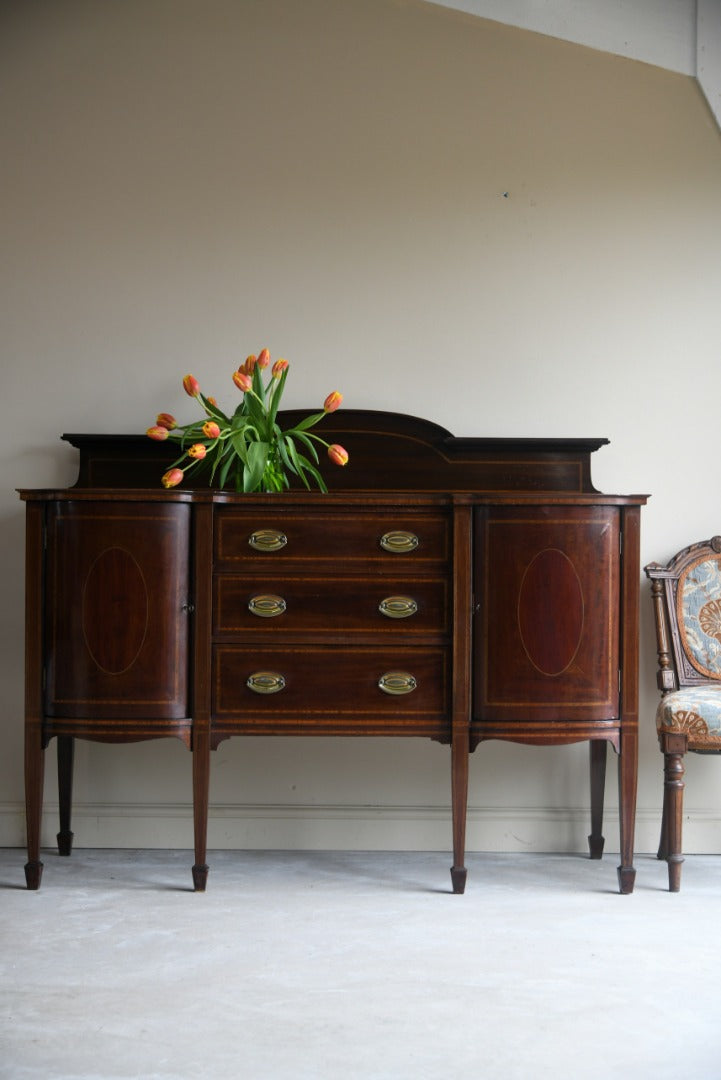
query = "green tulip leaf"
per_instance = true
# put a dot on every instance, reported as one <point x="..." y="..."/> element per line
<point x="255" y="465"/>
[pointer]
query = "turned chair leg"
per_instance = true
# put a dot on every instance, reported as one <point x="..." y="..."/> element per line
<point x="671" y="828"/>
<point x="663" y="839"/>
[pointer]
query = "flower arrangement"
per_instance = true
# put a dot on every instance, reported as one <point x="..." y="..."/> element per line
<point x="247" y="447"/>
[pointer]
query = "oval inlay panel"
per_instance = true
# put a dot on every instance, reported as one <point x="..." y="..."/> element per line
<point x="550" y="611"/>
<point x="115" y="610"/>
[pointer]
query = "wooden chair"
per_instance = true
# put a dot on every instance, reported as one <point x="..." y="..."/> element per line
<point x="687" y="608"/>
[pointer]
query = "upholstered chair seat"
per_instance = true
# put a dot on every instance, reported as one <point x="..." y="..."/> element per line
<point x="694" y="712"/>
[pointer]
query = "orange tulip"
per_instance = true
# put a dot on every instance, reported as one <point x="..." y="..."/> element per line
<point x="211" y="429"/>
<point x="337" y="454"/>
<point x="211" y="400"/>
<point x="172" y="478"/>
<point x="248" y="367"/>
<point x="332" y="402"/>
<point x="263" y="358"/>
<point x="242" y="381"/>
<point x="198" y="451"/>
<point x="158" y="433"/>
<point x="166" y="420"/>
<point x="191" y="386"/>
<point x="278" y="368"/>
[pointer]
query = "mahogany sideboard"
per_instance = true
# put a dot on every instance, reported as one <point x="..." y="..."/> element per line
<point x="448" y="588"/>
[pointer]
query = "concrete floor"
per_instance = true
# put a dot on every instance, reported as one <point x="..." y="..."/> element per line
<point x="305" y="966"/>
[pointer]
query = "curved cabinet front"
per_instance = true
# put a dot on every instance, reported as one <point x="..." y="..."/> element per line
<point x="547" y="628"/>
<point x="116" y="615"/>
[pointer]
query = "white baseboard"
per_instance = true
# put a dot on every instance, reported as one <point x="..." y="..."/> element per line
<point x="351" y="828"/>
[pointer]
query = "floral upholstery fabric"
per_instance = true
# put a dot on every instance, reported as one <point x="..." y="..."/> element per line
<point x="698" y="603"/>
<point x="695" y="712"/>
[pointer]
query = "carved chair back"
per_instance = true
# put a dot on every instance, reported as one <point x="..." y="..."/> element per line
<point x="687" y="608"/>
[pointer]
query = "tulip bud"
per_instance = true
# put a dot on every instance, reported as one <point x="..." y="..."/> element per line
<point x="278" y="368"/>
<point x="166" y="420"/>
<point x="263" y="358"/>
<point x="211" y="400"/>
<point x="332" y="402"/>
<point x="172" y="478"/>
<point x="242" y="381"/>
<point x="337" y="454"/>
<point x="211" y="429"/>
<point x="191" y="386"/>
<point x="158" y="433"/>
<point x="249" y="366"/>
<point x="198" y="451"/>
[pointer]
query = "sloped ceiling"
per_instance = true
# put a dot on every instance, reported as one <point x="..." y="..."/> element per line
<point x="681" y="35"/>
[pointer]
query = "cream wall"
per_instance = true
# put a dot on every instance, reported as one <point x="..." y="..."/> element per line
<point x="504" y="233"/>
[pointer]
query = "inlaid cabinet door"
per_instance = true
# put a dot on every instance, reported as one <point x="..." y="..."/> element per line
<point x="117" y="600"/>
<point x="546" y="634"/>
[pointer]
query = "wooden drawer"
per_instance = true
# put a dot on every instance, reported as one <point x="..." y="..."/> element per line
<point x="322" y="608"/>
<point x="339" y="539"/>
<point x="331" y="690"/>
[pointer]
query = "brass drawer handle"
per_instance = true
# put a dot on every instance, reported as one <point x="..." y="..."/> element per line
<point x="398" y="607"/>
<point x="268" y="540"/>
<point x="399" y="542"/>
<point x="266" y="605"/>
<point x="397" y="682"/>
<point x="265" y="682"/>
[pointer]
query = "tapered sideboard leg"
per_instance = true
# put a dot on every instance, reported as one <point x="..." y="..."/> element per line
<point x="66" y="757"/>
<point x="201" y="787"/>
<point x="459" y="800"/>
<point x="597" y="761"/>
<point x="34" y="776"/>
<point x="627" y="781"/>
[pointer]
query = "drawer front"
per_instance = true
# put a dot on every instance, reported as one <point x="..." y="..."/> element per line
<point x="262" y="605"/>
<point x="381" y="539"/>
<point x="331" y="690"/>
